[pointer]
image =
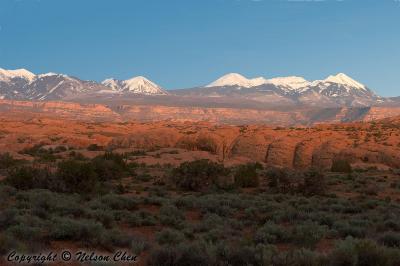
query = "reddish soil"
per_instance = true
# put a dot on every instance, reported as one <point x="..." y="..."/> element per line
<point x="365" y="145"/>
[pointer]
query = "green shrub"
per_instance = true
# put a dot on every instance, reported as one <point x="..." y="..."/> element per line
<point x="104" y="217"/>
<point x="361" y="253"/>
<point x="169" y="236"/>
<point x="70" y="229"/>
<point x="8" y="242"/>
<point x="141" y="218"/>
<point x="280" y="179"/>
<point x="27" y="232"/>
<point x="314" y="183"/>
<point x="8" y="218"/>
<point x="346" y="229"/>
<point x="113" y="238"/>
<point x="171" y="215"/>
<point x="6" y="192"/>
<point x="390" y="239"/>
<point x="118" y="202"/>
<point x="247" y="176"/>
<point x="139" y="244"/>
<point x="308" y="234"/>
<point x="300" y="257"/>
<point x="181" y="255"/>
<point x="110" y="166"/>
<point x="271" y="233"/>
<point x="28" y="177"/>
<point x="78" y="176"/>
<point x="197" y="174"/>
<point x="45" y="155"/>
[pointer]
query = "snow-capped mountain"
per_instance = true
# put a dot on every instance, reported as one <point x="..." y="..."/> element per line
<point x="21" y="84"/>
<point x="335" y="90"/>
<point x="339" y="89"/>
<point x="235" y="79"/>
<point x="52" y="86"/>
<point x="138" y="85"/>
<point x="290" y="83"/>
<point x="8" y="75"/>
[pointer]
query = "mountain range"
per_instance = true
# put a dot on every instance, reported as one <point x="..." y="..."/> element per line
<point x="335" y="90"/>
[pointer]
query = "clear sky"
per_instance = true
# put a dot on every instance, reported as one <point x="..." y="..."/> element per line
<point x="185" y="43"/>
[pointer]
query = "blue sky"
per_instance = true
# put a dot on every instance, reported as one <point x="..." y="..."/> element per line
<point x="185" y="43"/>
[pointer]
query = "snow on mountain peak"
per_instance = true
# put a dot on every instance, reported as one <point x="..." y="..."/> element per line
<point x="288" y="83"/>
<point x="47" y="74"/>
<point x="111" y="83"/>
<point x="291" y="82"/>
<point x="343" y="79"/>
<point x="138" y="84"/>
<point x="235" y="79"/>
<point x="142" y="85"/>
<point x="17" y="73"/>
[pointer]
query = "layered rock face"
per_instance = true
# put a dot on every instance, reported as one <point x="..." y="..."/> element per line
<point x="371" y="144"/>
<point x="217" y="115"/>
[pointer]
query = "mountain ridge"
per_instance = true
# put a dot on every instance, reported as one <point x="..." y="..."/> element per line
<point x="335" y="90"/>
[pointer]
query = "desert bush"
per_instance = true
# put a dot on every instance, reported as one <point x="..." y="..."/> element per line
<point x="271" y="233"/>
<point x="244" y="255"/>
<point x="78" y="176"/>
<point x="8" y="242"/>
<point x="113" y="238"/>
<point x="308" y="183"/>
<point x="28" y="229"/>
<point x="280" y="179"/>
<point x="71" y="229"/>
<point x="314" y="183"/>
<point x="50" y="202"/>
<point x="139" y="244"/>
<point x="361" y="253"/>
<point x="345" y="229"/>
<point x="104" y="217"/>
<point x="110" y="166"/>
<point x="169" y="237"/>
<point x="6" y="192"/>
<point x="209" y="222"/>
<point x="28" y="177"/>
<point x="45" y="155"/>
<point x="392" y="224"/>
<point x="390" y="239"/>
<point x="214" y="204"/>
<point x="197" y="174"/>
<point x="8" y="217"/>
<point x="308" y="234"/>
<point x="181" y="255"/>
<point x="341" y="166"/>
<point x="247" y="176"/>
<point x="118" y="202"/>
<point x="299" y="257"/>
<point x="171" y="215"/>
